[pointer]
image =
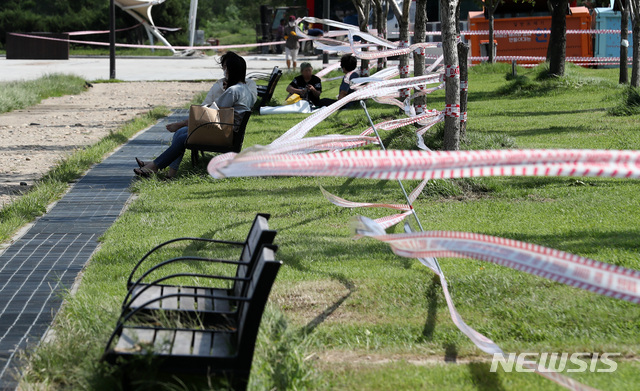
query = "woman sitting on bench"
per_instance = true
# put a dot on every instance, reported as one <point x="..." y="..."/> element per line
<point x="235" y="92"/>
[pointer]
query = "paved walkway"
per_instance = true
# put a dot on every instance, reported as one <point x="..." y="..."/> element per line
<point x="37" y="269"/>
<point x="142" y="68"/>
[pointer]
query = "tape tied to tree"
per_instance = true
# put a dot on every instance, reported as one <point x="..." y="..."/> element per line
<point x="463" y="117"/>
<point x="452" y="111"/>
<point x="452" y="71"/>
<point x="464" y="85"/>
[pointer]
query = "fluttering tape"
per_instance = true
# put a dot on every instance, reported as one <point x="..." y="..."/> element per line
<point x="384" y="88"/>
<point x="334" y="199"/>
<point x="367" y="227"/>
<point x="400" y="164"/>
<point x="398" y="123"/>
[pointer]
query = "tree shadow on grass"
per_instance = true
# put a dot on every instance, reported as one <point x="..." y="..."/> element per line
<point x="483" y="379"/>
<point x="432" y="310"/>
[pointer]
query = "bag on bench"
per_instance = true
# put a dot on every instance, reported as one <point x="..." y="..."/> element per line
<point x="211" y="126"/>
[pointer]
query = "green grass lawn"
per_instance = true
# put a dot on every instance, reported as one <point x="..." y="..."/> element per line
<point x="351" y="315"/>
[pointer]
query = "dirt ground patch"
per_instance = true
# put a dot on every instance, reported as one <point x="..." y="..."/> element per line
<point x="33" y="140"/>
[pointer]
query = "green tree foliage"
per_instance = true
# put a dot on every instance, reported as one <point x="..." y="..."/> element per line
<point x="76" y="15"/>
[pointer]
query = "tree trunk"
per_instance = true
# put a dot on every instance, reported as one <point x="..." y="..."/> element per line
<point x="452" y="95"/>
<point x="463" y="54"/>
<point x="362" y="8"/>
<point x="381" y="25"/>
<point x="419" y="35"/>
<point x="404" y="33"/>
<point x="635" y="76"/>
<point x="490" y="8"/>
<point x="558" y="38"/>
<point x="624" y="36"/>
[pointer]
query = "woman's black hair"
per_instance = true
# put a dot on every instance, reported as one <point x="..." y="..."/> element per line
<point x="348" y="62"/>
<point x="236" y="68"/>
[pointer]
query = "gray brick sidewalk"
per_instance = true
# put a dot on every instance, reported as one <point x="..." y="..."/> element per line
<point x="37" y="268"/>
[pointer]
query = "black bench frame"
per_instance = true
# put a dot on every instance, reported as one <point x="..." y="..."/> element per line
<point x="266" y="92"/>
<point x="236" y="146"/>
<point x="259" y="235"/>
<point x="228" y="347"/>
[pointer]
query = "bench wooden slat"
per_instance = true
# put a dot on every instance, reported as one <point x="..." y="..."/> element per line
<point x="150" y="293"/>
<point x="221" y="305"/>
<point x="221" y="345"/>
<point x="201" y="343"/>
<point x="170" y="303"/>
<point x="182" y="343"/>
<point x="163" y="341"/>
<point x="130" y="340"/>
<point x="187" y="302"/>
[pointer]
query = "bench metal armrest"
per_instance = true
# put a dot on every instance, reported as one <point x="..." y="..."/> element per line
<point x="135" y="268"/>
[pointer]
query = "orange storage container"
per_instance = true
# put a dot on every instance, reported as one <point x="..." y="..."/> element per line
<point x="522" y="44"/>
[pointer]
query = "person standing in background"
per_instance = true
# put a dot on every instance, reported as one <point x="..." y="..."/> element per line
<point x="291" y="45"/>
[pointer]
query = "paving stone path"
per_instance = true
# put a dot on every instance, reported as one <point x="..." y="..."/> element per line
<point x="45" y="261"/>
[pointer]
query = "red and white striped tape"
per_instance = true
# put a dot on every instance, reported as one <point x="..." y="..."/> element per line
<point x="429" y="124"/>
<point x="584" y="273"/>
<point x="398" y="123"/>
<point x="452" y="110"/>
<point x="387" y="87"/>
<point x="452" y="71"/>
<point x="367" y="227"/>
<point x="400" y="164"/>
<point x="334" y="199"/>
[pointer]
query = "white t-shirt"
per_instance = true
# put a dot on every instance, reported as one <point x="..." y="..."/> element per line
<point x="217" y="90"/>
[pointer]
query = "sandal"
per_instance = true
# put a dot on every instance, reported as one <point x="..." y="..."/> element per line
<point x="143" y="172"/>
<point x="141" y="164"/>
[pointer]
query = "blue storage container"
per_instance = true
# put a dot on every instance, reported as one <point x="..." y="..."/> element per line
<point x="608" y="45"/>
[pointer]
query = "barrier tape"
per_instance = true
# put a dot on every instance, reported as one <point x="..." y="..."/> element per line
<point x="500" y="33"/>
<point x="463" y="117"/>
<point x="452" y="110"/>
<point x="367" y="227"/>
<point x="398" y="123"/>
<point x="420" y="132"/>
<point x="400" y="164"/>
<point x="311" y="144"/>
<point x="452" y="71"/>
<point x="372" y="90"/>
<point x="350" y="204"/>
<point x="390" y="221"/>
<point x="464" y="85"/>
<point x="126" y="45"/>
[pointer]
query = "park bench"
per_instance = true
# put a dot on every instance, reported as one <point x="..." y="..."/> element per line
<point x="208" y="302"/>
<point x="236" y="146"/>
<point x="266" y="92"/>
<point x="224" y="348"/>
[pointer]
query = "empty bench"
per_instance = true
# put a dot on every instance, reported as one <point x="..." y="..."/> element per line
<point x="203" y="301"/>
<point x="266" y="92"/>
<point x="224" y="348"/>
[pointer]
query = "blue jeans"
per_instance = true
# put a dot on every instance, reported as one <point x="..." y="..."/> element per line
<point x="173" y="155"/>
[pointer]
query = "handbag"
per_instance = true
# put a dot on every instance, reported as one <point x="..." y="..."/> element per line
<point x="209" y="126"/>
<point x="293" y="98"/>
